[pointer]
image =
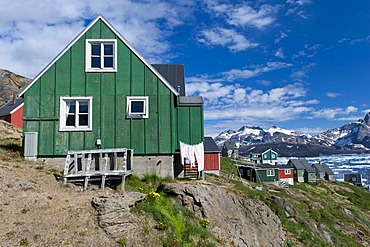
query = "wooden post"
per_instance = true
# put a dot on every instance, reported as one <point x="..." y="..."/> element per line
<point x="87" y="171"/>
<point x="76" y="163"/>
<point x="66" y="168"/>
<point x="115" y="160"/>
<point x="104" y="171"/>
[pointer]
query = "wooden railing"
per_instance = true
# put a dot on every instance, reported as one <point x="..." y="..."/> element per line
<point x="98" y="165"/>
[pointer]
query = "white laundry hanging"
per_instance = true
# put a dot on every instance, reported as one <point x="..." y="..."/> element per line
<point x="192" y="152"/>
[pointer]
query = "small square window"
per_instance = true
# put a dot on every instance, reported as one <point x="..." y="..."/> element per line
<point x="270" y="173"/>
<point x="101" y="55"/>
<point x="75" y="113"/>
<point x="137" y="107"/>
<point x="287" y="171"/>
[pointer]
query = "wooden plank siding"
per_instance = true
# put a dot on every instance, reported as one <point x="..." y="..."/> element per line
<point x="159" y="134"/>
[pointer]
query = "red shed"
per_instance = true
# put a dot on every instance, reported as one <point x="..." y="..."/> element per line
<point x="211" y="156"/>
<point x="12" y="112"/>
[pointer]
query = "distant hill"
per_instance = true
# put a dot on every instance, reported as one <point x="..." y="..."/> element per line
<point x="350" y="138"/>
<point x="10" y="83"/>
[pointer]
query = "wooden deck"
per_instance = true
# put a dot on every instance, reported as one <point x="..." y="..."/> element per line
<point x="98" y="165"/>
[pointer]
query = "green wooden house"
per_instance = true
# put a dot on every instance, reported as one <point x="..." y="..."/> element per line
<point x="269" y="156"/>
<point x="303" y="171"/>
<point x="99" y="92"/>
<point x="261" y="173"/>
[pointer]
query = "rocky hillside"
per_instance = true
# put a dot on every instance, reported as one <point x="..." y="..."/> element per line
<point x="37" y="210"/>
<point x="10" y="83"/>
<point x="350" y="138"/>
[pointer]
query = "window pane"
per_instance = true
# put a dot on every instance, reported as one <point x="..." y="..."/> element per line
<point x="83" y="120"/>
<point x="108" y="62"/>
<point x="108" y="49"/>
<point x="137" y="106"/>
<point x="71" y="107"/>
<point x="95" y="49"/>
<point x="95" y="62"/>
<point x="84" y="108"/>
<point x="70" y="120"/>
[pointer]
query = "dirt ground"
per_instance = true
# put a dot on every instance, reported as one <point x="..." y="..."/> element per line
<point x="37" y="210"/>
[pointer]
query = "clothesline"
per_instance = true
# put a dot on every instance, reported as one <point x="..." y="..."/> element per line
<point x="192" y="152"/>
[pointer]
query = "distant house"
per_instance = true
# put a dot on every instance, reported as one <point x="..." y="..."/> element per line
<point x="261" y="173"/>
<point x="323" y="171"/>
<point x="229" y="149"/>
<point x="269" y="156"/>
<point x="211" y="156"/>
<point x="286" y="174"/>
<point x="303" y="172"/>
<point x="353" y="178"/>
<point x="12" y="112"/>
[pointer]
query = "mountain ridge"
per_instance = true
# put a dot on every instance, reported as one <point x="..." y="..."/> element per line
<point x="350" y="138"/>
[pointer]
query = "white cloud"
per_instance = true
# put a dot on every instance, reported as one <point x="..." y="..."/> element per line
<point x="333" y="95"/>
<point x="33" y="32"/>
<point x="296" y="7"/>
<point x="226" y="37"/>
<point x="280" y="53"/>
<point x="335" y="113"/>
<point x="245" y="15"/>
<point x="282" y="36"/>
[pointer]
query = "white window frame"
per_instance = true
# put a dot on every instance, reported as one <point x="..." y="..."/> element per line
<point x="88" y="55"/>
<point x="287" y="172"/>
<point x="145" y="113"/>
<point x="63" y="114"/>
<point x="270" y="173"/>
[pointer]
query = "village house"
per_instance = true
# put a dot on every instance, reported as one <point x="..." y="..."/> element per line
<point x="99" y="93"/>
<point x="269" y="156"/>
<point x="323" y="171"/>
<point x="230" y="149"/>
<point x="267" y="173"/>
<point x="353" y="178"/>
<point x="211" y="156"/>
<point x="303" y="172"/>
<point x="12" y="112"/>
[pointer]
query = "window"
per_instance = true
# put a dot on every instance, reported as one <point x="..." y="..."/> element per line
<point x="75" y="113"/>
<point x="273" y="155"/>
<point x="270" y="173"/>
<point x="287" y="171"/>
<point x="101" y="55"/>
<point x="137" y="107"/>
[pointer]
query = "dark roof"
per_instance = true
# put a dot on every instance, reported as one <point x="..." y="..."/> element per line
<point x="327" y="169"/>
<point x="210" y="146"/>
<point x="174" y="74"/>
<point x="190" y="100"/>
<point x="302" y="164"/>
<point x="318" y="167"/>
<point x="348" y="178"/>
<point x="230" y="145"/>
<point x="8" y="107"/>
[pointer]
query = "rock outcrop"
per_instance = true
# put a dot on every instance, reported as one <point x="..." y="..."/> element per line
<point x="114" y="217"/>
<point x="234" y="219"/>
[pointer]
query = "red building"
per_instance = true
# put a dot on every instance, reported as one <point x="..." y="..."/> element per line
<point x="211" y="156"/>
<point x="286" y="173"/>
<point x="12" y="112"/>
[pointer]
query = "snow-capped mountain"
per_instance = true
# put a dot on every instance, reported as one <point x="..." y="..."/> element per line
<point x="350" y="138"/>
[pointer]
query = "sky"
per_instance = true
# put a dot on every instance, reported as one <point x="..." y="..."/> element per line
<point x="297" y="64"/>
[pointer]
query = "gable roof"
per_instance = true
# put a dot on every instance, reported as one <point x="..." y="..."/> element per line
<point x="302" y="164"/>
<point x="165" y="82"/>
<point x="318" y="167"/>
<point x="10" y="108"/>
<point x="210" y="146"/>
<point x="327" y="169"/>
<point x="269" y="150"/>
<point x="230" y="145"/>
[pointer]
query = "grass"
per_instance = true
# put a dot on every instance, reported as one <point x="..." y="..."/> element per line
<point x="177" y="225"/>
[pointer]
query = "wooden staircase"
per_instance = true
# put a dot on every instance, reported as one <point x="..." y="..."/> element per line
<point x="98" y="165"/>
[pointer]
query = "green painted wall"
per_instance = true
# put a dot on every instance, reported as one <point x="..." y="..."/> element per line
<point x="158" y="134"/>
<point x="262" y="176"/>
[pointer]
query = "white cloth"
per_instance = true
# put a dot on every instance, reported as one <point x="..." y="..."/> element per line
<point x="192" y="152"/>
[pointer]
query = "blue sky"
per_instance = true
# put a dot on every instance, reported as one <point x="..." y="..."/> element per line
<point x="297" y="64"/>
